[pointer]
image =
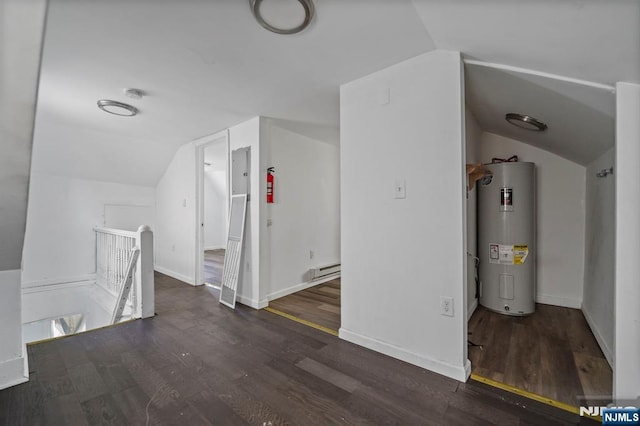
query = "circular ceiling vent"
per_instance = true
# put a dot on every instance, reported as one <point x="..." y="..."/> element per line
<point x="283" y="16"/>
<point x="525" y="122"/>
<point x="117" y="108"/>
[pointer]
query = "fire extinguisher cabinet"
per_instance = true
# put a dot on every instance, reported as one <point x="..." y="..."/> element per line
<point x="506" y="238"/>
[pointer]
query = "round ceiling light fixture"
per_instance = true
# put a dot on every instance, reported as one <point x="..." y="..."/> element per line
<point x="278" y="16"/>
<point x="117" y="108"/>
<point x="525" y="122"/>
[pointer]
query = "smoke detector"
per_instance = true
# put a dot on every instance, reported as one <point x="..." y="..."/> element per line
<point x="133" y="93"/>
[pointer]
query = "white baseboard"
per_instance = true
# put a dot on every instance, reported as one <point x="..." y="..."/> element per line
<point x="299" y="287"/>
<point x="12" y="372"/>
<point x="566" y="302"/>
<point x="460" y="373"/>
<point x="57" y="283"/>
<point x="472" y="309"/>
<point x="252" y="303"/>
<point x="606" y="350"/>
<point x="176" y="275"/>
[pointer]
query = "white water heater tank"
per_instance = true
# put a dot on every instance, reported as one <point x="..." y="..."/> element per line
<point x="506" y="238"/>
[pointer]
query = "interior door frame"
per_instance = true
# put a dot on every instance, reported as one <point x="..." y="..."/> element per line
<point x="200" y="145"/>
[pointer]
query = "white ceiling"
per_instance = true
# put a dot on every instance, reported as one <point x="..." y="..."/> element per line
<point x="207" y="65"/>
<point x="594" y="40"/>
<point x="580" y="118"/>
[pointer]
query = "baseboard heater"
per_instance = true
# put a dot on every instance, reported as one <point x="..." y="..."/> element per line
<point x="323" y="271"/>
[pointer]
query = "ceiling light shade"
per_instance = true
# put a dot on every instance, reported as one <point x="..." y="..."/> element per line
<point x="267" y="23"/>
<point x="525" y="122"/>
<point x="117" y="108"/>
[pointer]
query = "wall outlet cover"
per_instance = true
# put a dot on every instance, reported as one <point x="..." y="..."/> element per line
<point x="446" y="306"/>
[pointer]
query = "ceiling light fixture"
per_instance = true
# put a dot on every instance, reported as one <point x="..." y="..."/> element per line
<point x="117" y="108"/>
<point x="525" y="122"/>
<point x="307" y="5"/>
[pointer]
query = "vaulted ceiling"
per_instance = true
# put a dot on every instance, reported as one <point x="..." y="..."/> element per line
<point x="207" y="65"/>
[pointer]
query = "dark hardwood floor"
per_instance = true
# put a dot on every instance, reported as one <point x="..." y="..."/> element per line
<point x="200" y="363"/>
<point x="213" y="265"/>
<point x="319" y="304"/>
<point x="550" y="353"/>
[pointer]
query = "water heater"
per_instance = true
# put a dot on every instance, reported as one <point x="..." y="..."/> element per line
<point x="506" y="238"/>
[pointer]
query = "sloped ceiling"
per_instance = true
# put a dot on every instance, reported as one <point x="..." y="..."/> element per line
<point x="206" y="65"/>
<point x="21" y="27"/>
<point x="592" y="40"/>
<point x="580" y="118"/>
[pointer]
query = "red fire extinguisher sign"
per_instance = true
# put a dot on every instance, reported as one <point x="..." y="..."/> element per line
<point x="270" y="179"/>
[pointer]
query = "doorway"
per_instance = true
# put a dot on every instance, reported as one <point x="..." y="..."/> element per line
<point x="213" y="184"/>
<point x="561" y="353"/>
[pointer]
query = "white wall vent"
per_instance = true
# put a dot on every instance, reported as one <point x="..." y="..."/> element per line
<point x="323" y="271"/>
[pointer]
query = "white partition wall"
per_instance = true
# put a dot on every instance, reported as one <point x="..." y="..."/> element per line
<point x="626" y="373"/>
<point x="403" y="212"/>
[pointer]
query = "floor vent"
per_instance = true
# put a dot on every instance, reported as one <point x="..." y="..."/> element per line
<point x="323" y="271"/>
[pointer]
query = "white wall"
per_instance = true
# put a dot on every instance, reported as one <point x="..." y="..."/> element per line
<point x="22" y="25"/>
<point x="305" y="214"/>
<point x="216" y="205"/>
<point x="215" y="208"/>
<point x="473" y="135"/>
<point x="176" y="215"/>
<point x="175" y="235"/>
<point x="597" y="302"/>
<point x="399" y="256"/>
<point x="60" y="243"/>
<point x="560" y="198"/>
<point x="12" y="358"/>
<point x="626" y="378"/>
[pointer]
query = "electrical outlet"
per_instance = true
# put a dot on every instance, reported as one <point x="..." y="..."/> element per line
<point x="311" y="254"/>
<point x="446" y="306"/>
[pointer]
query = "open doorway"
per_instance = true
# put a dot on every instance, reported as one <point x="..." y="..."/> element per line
<point x="212" y="162"/>
<point x="560" y="351"/>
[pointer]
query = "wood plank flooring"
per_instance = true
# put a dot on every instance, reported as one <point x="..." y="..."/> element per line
<point x="200" y="363"/>
<point x="319" y="304"/>
<point x="551" y="353"/>
<point x="213" y="265"/>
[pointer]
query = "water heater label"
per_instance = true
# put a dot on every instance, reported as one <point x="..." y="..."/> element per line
<point x="520" y="254"/>
<point x="508" y="254"/>
<point x="506" y="199"/>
